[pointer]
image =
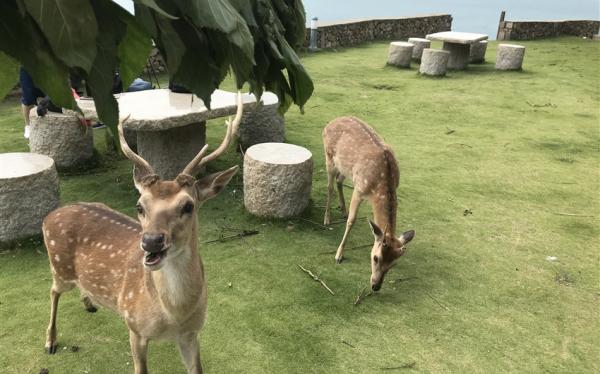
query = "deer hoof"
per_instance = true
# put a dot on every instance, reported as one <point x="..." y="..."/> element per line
<point x="91" y="309"/>
<point x="326" y="221"/>
<point x="339" y="260"/>
<point x="51" y="349"/>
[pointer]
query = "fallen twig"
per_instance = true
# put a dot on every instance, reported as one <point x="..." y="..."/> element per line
<point x="572" y="215"/>
<point x="437" y="301"/>
<point x="313" y="223"/>
<point x="316" y="278"/>
<point x="348" y="249"/>
<point x="348" y="344"/>
<point x="241" y="235"/>
<point x="408" y="365"/>
<point x="449" y="130"/>
<point x="361" y="296"/>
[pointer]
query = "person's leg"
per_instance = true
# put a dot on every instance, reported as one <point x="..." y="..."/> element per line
<point x="29" y="97"/>
<point x="26" y="109"/>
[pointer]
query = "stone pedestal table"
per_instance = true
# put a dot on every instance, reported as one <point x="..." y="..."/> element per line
<point x="459" y="46"/>
<point x="28" y="192"/>
<point x="277" y="179"/>
<point x="170" y="127"/>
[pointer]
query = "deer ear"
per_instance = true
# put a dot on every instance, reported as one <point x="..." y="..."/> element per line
<point x="377" y="233"/>
<point x="210" y="186"/>
<point x="407" y="237"/>
<point x="142" y="178"/>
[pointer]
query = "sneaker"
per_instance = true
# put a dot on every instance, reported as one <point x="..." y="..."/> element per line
<point x="98" y="125"/>
<point x="26" y="134"/>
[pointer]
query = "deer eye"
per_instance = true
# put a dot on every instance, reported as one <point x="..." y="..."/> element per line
<point x="375" y="259"/>
<point x="139" y="208"/>
<point x="187" y="208"/>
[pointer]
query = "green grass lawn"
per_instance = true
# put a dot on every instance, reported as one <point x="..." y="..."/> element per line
<point x="474" y="293"/>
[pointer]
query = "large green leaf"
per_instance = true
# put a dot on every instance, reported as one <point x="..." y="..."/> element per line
<point x="133" y="49"/>
<point x="153" y="5"/>
<point x="23" y="41"/>
<point x="70" y="28"/>
<point x="101" y="76"/>
<point x="9" y="73"/>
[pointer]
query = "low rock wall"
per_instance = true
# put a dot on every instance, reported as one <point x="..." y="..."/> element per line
<point x="529" y="30"/>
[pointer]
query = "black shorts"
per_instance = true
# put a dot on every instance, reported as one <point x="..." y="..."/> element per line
<point x="30" y="91"/>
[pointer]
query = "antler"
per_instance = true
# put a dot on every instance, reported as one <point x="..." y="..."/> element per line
<point x="138" y="162"/>
<point x="232" y="129"/>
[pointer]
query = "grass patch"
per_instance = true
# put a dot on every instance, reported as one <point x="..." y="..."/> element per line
<point x="474" y="293"/>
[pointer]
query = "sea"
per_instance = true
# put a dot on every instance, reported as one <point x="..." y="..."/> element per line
<point x="480" y="16"/>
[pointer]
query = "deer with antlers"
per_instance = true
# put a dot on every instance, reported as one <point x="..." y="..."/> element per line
<point x="148" y="271"/>
<point x="354" y="150"/>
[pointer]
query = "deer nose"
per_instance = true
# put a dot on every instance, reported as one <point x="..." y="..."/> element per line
<point x="153" y="242"/>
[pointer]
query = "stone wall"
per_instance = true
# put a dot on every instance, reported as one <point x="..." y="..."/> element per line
<point x="528" y="30"/>
<point x="348" y="33"/>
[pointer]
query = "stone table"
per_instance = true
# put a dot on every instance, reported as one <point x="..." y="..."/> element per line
<point x="28" y="192"/>
<point x="171" y="127"/>
<point x="459" y="46"/>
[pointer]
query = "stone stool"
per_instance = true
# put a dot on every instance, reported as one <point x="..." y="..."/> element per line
<point x="419" y="45"/>
<point x="28" y="192"/>
<point x="477" y="52"/>
<point x="277" y="179"/>
<point x="262" y="123"/>
<point x="62" y="137"/>
<point x="434" y="62"/>
<point x="510" y="57"/>
<point x="400" y="54"/>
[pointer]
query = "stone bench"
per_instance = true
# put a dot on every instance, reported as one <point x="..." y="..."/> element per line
<point x="277" y="179"/>
<point x="477" y="52"/>
<point x="262" y="123"/>
<point x="28" y="192"/>
<point x="400" y="54"/>
<point x="419" y="45"/>
<point x="61" y="137"/>
<point x="434" y="62"/>
<point x="509" y="57"/>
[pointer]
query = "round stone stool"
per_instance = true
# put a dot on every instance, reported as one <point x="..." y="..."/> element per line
<point x="400" y="54"/>
<point x="434" y="62"/>
<point x="477" y="52"/>
<point x="28" y="192"/>
<point x="277" y="179"/>
<point x="419" y="45"/>
<point x="510" y="57"/>
<point x="262" y="124"/>
<point x="62" y="137"/>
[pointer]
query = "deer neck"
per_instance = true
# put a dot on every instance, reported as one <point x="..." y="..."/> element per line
<point x="180" y="283"/>
<point x="384" y="209"/>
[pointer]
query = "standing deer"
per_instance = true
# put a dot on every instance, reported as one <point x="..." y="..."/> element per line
<point x="354" y="150"/>
<point x="149" y="271"/>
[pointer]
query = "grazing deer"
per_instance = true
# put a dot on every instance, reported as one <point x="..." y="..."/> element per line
<point x="149" y="271"/>
<point x="354" y="150"/>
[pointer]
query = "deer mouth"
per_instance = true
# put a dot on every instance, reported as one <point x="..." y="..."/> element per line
<point x="153" y="259"/>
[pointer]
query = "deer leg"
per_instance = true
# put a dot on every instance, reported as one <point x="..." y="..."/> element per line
<point x="354" y="205"/>
<point x="190" y="353"/>
<point x="330" y="177"/>
<point x="139" y="350"/>
<point x="87" y="304"/>
<point x="340" y="188"/>
<point x="51" y="332"/>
